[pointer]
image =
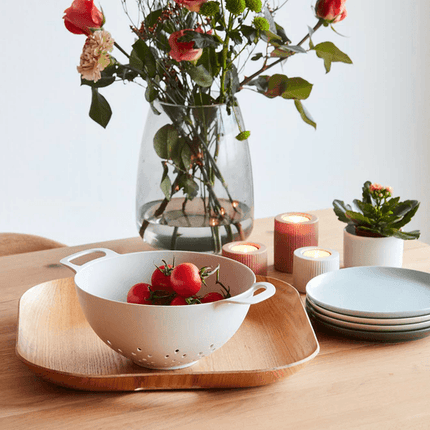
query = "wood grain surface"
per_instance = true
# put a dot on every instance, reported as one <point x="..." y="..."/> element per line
<point x="348" y="385"/>
<point x="57" y="343"/>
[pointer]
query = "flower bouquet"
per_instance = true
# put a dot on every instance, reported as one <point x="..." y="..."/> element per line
<point x="190" y="55"/>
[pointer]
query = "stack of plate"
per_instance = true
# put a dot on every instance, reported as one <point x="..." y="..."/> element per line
<point x="372" y="303"/>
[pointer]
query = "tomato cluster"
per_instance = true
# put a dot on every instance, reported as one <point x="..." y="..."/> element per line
<point x="176" y="285"/>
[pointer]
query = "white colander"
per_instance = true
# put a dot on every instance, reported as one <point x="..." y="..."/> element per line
<point x="162" y="337"/>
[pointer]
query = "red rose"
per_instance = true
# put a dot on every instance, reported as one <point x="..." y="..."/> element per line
<point x="192" y="5"/>
<point x="331" y="10"/>
<point x="81" y="16"/>
<point x="183" y="51"/>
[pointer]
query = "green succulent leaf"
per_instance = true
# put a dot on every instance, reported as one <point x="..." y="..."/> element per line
<point x="340" y="208"/>
<point x="306" y="116"/>
<point x="358" y="218"/>
<point x="330" y="54"/>
<point x="100" y="111"/>
<point x="164" y="140"/>
<point x="407" y="216"/>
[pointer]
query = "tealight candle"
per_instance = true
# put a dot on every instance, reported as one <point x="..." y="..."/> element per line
<point x="311" y="261"/>
<point x="253" y="255"/>
<point x="244" y="248"/>
<point x="316" y="253"/>
<point x="293" y="230"/>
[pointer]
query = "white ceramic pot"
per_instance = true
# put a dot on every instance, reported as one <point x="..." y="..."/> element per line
<point x="371" y="251"/>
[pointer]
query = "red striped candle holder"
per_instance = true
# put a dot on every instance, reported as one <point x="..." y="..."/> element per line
<point x="293" y="230"/>
<point x="253" y="255"/>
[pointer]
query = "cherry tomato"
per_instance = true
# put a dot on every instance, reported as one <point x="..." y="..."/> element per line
<point x="212" y="297"/>
<point x="160" y="279"/>
<point x="185" y="279"/>
<point x="178" y="301"/>
<point x="139" y="293"/>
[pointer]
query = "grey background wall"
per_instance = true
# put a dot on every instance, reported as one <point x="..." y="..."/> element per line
<point x="64" y="177"/>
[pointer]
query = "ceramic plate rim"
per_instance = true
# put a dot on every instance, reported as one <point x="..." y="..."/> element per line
<point x="368" y="327"/>
<point x="367" y="320"/>
<point x="380" y="271"/>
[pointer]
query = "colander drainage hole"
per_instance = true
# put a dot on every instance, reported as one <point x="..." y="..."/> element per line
<point x="176" y="351"/>
<point x="184" y="355"/>
<point x="149" y="355"/>
<point x="139" y="350"/>
<point x="167" y="356"/>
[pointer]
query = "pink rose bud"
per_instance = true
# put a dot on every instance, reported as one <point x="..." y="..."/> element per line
<point x="81" y="16"/>
<point x="183" y="51"/>
<point x="331" y="10"/>
<point x="192" y="5"/>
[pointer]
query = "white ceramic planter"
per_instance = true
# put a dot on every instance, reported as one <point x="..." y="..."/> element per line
<point x="371" y="251"/>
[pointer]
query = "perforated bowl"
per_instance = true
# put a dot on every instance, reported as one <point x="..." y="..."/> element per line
<point x="162" y="337"/>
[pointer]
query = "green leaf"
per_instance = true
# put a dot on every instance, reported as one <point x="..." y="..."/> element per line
<point x="190" y="187"/>
<point x="201" y="40"/>
<point x="186" y="155"/>
<point x="340" y="209"/>
<point x="145" y="55"/>
<point x="232" y="79"/>
<point x="256" y="56"/>
<point x="330" y="54"/>
<point x="165" y="138"/>
<point x="358" y="218"/>
<point x="200" y="76"/>
<point x="261" y="83"/>
<point x="410" y="235"/>
<point x="151" y="92"/>
<point x="276" y="85"/>
<point x="175" y="153"/>
<point x="366" y="193"/>
<point x="249" y="32"/>
<point x="306" y="117"/>
<point x="413" y="207"/>
<point x="281" y="33"/>
<point x="100" y="110"/>
<point x="209" y="60"/>
<point x="235" y="37"/>
<point x="165" y="184"/>
<point x="101" y="83"/>
<point x="297" y="88"/>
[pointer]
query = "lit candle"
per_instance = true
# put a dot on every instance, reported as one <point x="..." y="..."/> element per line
<point x="253" y="255"/>
<point x="311" y="261"/>
<point x="244" y="248"/>
<point x="316" y="253"/>
<point x="295" y="218"/>
<point x="293" y="230"/>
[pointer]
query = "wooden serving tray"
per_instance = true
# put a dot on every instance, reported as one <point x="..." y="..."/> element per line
<point x="55" y="341"/>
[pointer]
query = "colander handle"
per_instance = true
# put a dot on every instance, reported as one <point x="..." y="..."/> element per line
<point x="67" y="260"/>
<point x="269" y="291"/>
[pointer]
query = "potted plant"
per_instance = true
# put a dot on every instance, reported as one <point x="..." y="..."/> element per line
<point x="374" y="234"/>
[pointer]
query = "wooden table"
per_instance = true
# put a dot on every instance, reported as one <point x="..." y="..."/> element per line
<point x="349" y="385"/>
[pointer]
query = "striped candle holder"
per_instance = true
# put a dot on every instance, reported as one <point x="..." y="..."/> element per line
<point x="311" y="261"/>
<point x="293" y="230"/>
<point x="252" y="254"/>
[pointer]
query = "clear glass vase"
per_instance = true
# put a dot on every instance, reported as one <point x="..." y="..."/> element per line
<point x="194" y="183"/>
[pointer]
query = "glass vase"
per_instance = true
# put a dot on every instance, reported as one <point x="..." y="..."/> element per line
<point x="194" y="183"/>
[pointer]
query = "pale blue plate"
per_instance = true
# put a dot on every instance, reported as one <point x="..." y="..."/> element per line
<point x="372" y="292"/>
